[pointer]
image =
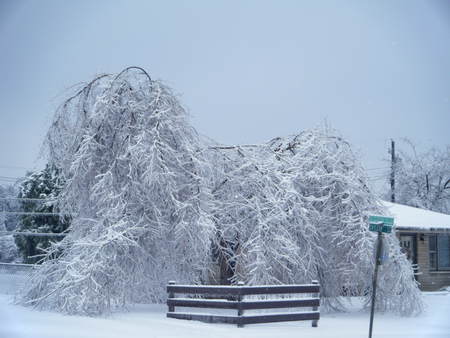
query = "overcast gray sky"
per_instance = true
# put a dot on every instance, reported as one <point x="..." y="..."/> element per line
<point x="247" y="71"/>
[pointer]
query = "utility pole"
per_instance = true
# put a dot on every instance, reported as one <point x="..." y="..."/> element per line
<point x="392" y="171"/>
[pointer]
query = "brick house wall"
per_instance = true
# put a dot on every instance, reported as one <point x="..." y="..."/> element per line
<point x="429" y="280"/>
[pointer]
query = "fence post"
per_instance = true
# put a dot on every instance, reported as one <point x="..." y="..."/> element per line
<point x="315" y="323"/>
<point x="239" y="300"/>
<point x="171" y="295"/>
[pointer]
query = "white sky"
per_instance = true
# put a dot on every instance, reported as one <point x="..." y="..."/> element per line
<point x="247" y="71"/>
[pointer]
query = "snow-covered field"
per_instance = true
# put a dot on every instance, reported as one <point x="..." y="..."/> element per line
<point x="150" y="321"/>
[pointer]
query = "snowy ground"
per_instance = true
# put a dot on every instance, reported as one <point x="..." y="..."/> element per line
<point x="150" y="321"/>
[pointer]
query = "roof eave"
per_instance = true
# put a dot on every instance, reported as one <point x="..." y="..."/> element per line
<point x="422" y="229"/>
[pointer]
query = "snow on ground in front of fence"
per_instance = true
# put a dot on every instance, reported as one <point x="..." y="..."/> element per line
<point x="149" y="321"/>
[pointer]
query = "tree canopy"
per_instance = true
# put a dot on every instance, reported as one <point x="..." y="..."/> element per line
<point x="153" y="201"/>
<point x="423" y="178"/>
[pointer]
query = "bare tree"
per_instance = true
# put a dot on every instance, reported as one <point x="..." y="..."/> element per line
<point x="423" y="178"/>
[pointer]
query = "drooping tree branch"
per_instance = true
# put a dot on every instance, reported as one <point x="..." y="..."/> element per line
<point x="152" y="201"/>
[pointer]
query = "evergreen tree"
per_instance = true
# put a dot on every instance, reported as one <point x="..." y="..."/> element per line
<point x="45" y="185"/>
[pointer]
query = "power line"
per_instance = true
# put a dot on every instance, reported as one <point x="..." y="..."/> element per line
<point x="380" y="168"/>
<point x="7" y="179"/>
<point x="25" y="199"/>
<point x="378" y="177"/>
<point x="14" y="167"/>
<point x="26" y="213"/>
<point x="10" y="177"/>
<point x="34" y="234"/>
<point x="18" y="264"/>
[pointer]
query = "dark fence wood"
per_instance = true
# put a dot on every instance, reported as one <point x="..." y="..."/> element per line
<point x="204" y="290"/>
<point x="279" y="289"/>
<point x="242" y="290"/>
<point x="272" y="304"/>
<point x="206" y="318"/>
<point x="243" y="305"/>
<point x="281" y="317"/>
<point x="315" y="322"/>
<point x="235" y="301"/>
<point x="203" y="303"/>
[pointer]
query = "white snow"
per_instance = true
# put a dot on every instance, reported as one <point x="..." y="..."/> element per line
<point x="150" y="321"/>
<point x="410" y="217"/>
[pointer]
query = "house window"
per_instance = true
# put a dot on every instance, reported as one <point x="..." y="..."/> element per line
<point x="439" y="251"/>
<point x="433" y="252"/>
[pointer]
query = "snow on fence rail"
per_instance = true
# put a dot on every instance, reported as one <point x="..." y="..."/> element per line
<point x="234" y="300"/>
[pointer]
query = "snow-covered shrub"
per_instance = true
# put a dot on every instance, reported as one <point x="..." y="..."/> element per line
<point x="151" y="202"/>
<point x="397" y="289"/>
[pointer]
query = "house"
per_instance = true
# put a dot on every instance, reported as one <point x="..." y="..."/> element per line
<point x="425" y="238"/>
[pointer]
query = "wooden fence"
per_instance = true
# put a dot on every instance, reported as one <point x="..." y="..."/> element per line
<point x="232" y="297"/>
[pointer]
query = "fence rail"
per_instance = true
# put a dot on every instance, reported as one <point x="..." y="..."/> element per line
<point x="235" y="301"/>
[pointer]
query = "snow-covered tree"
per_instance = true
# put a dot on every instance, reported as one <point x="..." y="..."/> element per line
<point x="152" y="201"/>
<point x="296" y="209"/>
<point x="8" y="249"/>
<point x="261" y="224"/>
<point x="40" y="185"/>
<point x="423" y="179"/>
<point x="9" y="202"/>
<point x="134" y="186"/>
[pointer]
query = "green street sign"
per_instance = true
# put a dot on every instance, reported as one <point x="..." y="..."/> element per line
<point x="382" y="219"/>
<point x="381" y="224"/>
<point x="379" y="227"/>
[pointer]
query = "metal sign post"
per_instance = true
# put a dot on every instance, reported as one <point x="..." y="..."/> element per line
<point x="374" y="281"/>
<point x="379" y="224"/>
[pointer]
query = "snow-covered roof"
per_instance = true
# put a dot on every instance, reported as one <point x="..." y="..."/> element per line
<point x="410" y="218"/>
